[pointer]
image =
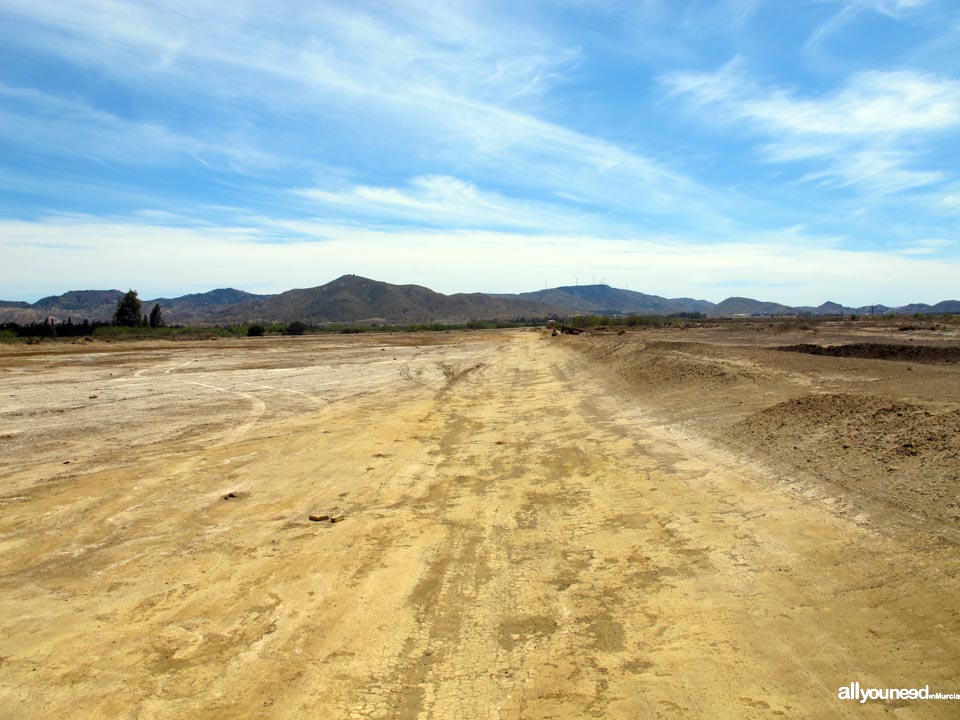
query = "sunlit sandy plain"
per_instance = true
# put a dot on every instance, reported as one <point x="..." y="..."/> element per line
<point x="533" y="527"/>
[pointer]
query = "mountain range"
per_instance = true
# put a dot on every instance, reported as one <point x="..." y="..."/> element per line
<point x="352" y="299"/>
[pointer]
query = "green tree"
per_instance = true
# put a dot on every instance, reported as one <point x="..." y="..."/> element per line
<point x="295" y="328"/>
<point x="156" y="317"/>
<point x="128" y="310"/>
<point x="255" y="331"/>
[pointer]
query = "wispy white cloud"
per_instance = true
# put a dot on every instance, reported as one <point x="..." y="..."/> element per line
<point x="884" y="170"/>
<point x="927" y="246"/>
<point x="950" y="199"/>
<point x="69" y="127"/>
<point x="867" y="133"/>
<point x="447" y="82"/>
<point x="722" y="16"/>
<point x="434" y="47"/>
<point x="444" y="201"/>
<point x="871" y="103"/>
<point x="847" y="12"/>
<point x="850" y="9"/>
<point x="65" y="126"/>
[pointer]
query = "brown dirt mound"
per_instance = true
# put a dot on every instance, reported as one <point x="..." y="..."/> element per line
<point x="894" y="443"/>
<point x="898" y="453"/>
<point x="881" y="351"/>
<point x="663" y="366"/>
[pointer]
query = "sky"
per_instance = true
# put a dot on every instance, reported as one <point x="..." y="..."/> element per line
<point x="789" y="150"/>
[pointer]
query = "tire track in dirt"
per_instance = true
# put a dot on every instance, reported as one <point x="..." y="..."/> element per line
<point x="258" y="407"/>
<point x="589" y="567"/>
<point x="518" y="543"/>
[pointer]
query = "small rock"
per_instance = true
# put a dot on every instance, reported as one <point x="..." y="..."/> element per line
<point x="93" y="397"/>
<point x="320" y="518"/>
<point x="337" y="518"/>
<point x="230" y="496"/>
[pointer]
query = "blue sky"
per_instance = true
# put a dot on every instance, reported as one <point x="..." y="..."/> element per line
<point x="789" y="150"/>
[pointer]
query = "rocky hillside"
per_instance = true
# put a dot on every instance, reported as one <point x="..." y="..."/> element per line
<point x="606" y="300"/>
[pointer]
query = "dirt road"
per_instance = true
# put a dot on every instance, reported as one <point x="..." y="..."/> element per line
<point x="518" y="541"/>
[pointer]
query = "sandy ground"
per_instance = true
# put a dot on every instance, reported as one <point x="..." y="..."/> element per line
<point x="533" y="527"/>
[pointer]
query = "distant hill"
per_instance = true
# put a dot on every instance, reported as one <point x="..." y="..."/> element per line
<point x="75" y="304"/>
<point x="199" y="307"/>
<point x="603" y="299"/>
<point x="748" y="306"/>
<point x="213" y="298"/>
<point x="81" y="303"/>
<point x="947" y="306"/>
<point x="352" y="298"/>
<point x="19" y="312"/>
<point x="873" y="310"/>
<point x="831" y="308"/>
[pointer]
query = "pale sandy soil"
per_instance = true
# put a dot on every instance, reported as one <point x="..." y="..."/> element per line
<point x="524" y="536"/>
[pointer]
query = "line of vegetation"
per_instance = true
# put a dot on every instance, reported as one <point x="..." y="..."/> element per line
<point x="588" y="322"/>
<point x="777" y="324"/>
<point x="49" y="330"/>
<point x="129" y="322"/>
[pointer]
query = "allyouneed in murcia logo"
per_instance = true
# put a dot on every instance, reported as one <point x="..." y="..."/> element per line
<point x="854" y="691"/>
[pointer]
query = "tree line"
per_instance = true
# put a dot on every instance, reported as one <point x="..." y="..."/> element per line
<point x="46" y="328"/>
<point x="129" y="319"/>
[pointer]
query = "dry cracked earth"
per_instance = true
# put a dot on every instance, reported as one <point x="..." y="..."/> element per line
<point x="639" y="526"/>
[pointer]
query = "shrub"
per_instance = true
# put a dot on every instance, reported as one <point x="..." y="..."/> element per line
<point x="295" y="328"/>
